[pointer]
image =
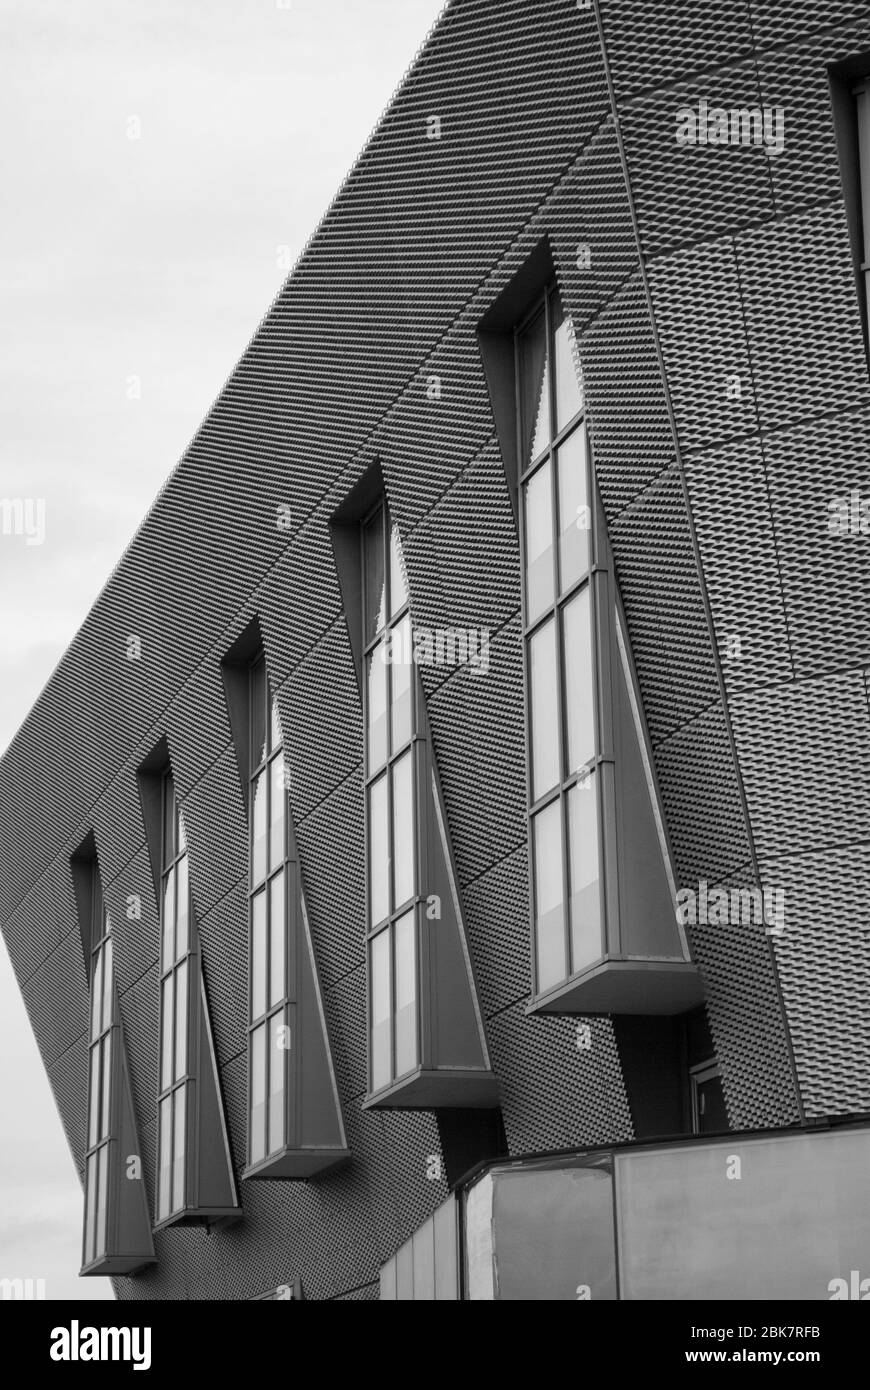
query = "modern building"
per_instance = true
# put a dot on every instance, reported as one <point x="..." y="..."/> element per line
<point x="436" y="868"/>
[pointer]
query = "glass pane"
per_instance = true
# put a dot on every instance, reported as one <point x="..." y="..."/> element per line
<point x="274" y="728"/>
<point x="102" y="1201"/>
<point x="258" y="1093"/>
<point x="398" y="579"/>
<point x="379" y="852"/>
<point x="381" y="1009"/>
<point x="181" y="988"/>
<point x="584" y="886"/>
<point x="373" y="545"/>
<point x="94" y="1097"/>
<point x="278" y="936"/>
<point x="406" y="994"/>
<point x="544" y="685"/>
<point x="97" y="993"/>
<point x="168" y="920"/>
<point x="167" y="991"/>
<point x="258" y="833"/>
<point x="179" y="1139"/>
<point x="108" y="979"/>
<point x="168" y="821"/>
<point x="575" y="518"/>
<point x="183" y="899"/>
<point x="107" y="922"/>
<point x="535" y="389"/>
<point x="258" y="956"/>
<point x="401" y="666"/>
<point x="105" y="1112"/>
<point x="164" y="1182"/>
<point x="90" y="1209"/>
<point x="403" y="830"/>
<point x="579" y="681"/>
<point x="258" y="714"/>
<point x="569" y="396"/>
<point x="549" y="915"/>
<point x="277" y="1057"/>
<point x="539" y="543"/>
<point x="181" y="842"/>
<point x="376" y="707"/>
<point x="277" y="802"/>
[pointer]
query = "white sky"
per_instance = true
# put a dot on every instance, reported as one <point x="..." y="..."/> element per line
<point x="154" y="258"/>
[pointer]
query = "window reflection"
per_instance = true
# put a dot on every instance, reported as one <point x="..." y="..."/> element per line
<point x="545" y="710"/>
<point x="269" y="1000"/>
<point x="391" y="760"/>
<point x="569" y="394"/>
<point x="584" y="886"/>
<point x="560" y="635"/>
<point x="574" y="512"/>
<point x="539" y="543"/>
<point x="176" y="984"/>
<point x="549" y="914"/>
<point x="536" y="389"/>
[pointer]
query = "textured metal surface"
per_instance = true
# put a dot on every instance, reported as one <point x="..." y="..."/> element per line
<point x="702" y="264"/>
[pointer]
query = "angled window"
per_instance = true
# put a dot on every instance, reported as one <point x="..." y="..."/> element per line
<point x="393" y="879"/>
<point x="117" y="1228"/>
<point x="195" y="1181"/>
<point x="564" y="748"/>
<point x="426" y="1045"/>
<point x="605" y="933"/>
<point x="177" y="982"/>
<point x="295" y="1125"/>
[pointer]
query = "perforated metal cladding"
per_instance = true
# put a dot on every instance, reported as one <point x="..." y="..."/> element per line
<point x="809" y="469"/>
<point x="651" y="43"/>
<point x="56" y="998"/>
<point x="691" y="193"/>
<point x="480" y="758"/>
<point x="331" y="853"/>
<point x="823" y="951"/>
<point x="698" y="314"/>
<point x="420" y="240"/>
<point x="796" y="78"/>
<point x="223" y="938"/>
<point x="696" y="773"/>
<point x="65" y="1077"/>
<point x="745" y="1015"/>
<point x="653" y="553"/>
<point x="775" y="21"/>
<point x="497" y="925"/>
<point x="803" y="328"/>
<point x="628" y="422"/>
<point x="554" y="1093"/>
<point x="804" y="769"/>
<point x="730" y="502"/>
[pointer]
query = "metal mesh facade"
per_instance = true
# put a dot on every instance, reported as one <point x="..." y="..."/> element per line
<point x="703" y="265"/>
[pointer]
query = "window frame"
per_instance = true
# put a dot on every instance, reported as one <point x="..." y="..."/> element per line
<point x="262" y="766"/>
<point x="701" y="1072"/>
<point x="594" y="580"/>
<point x="106" y="1041"/>
<point x="411" y="747"/>
<point x="185" y="1080"/>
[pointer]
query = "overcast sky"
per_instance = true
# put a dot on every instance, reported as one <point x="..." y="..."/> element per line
<point x="133" y="271"/>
